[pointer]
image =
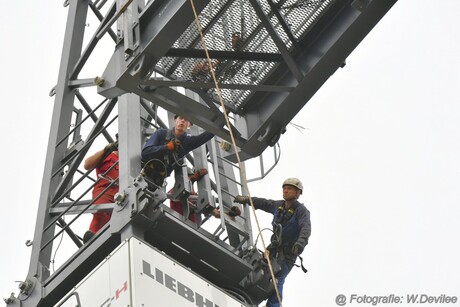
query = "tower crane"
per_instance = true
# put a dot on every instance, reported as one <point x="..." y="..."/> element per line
<point x="144" y="62"/>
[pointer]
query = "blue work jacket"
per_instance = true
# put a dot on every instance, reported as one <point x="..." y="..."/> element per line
<point x="155" y="147"/>
<point x="296" y="227"/>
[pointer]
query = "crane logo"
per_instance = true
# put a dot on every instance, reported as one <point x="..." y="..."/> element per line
<point x="118" y="292"/>
<point x="176" y="286"/>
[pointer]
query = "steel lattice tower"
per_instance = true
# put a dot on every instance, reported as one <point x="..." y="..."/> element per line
<point x="269" y="57"/>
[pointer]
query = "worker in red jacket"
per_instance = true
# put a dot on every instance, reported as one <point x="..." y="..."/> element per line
<point x="105" y="162"/>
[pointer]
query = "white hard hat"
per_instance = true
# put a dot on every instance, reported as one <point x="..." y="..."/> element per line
<point x="294" y="182"/>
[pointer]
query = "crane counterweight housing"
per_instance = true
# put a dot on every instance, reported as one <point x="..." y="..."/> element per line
<point x="136" y="274"/>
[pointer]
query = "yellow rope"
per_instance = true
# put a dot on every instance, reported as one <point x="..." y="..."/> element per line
<point x="242" y="171"/>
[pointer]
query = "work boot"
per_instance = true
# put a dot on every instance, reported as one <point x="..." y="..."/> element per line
<point x="87" y="236"/>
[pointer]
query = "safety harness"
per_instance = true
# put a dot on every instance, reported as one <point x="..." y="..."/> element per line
<point x="156" y="170"/>
<point x="284" y="216"/>
<point x="277" y="246"/>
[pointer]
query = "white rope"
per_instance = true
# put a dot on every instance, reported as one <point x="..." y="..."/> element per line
<point x="241" y="166"/>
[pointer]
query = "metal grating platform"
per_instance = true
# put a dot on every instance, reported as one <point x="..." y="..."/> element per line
<point x="235" y="26"/>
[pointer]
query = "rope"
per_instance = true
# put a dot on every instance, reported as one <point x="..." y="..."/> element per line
<point x="241" y="166"/>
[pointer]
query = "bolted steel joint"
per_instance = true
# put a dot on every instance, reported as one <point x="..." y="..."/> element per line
<point x="99" y="81"/>
<point x="10" y="299"/>
<point x="26" y="286"/>
<point x="119" y="198"/>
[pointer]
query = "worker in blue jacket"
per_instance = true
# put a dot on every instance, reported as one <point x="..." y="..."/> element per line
<point x="291" y="227"/>
<point x="165" y="149"/>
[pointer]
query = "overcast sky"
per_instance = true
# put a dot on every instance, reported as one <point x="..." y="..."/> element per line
<point x="379" y="155"/>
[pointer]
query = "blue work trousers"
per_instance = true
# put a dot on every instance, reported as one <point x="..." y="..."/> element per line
<point x="281" y="277"/>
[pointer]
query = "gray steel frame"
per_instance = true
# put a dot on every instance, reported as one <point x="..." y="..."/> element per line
<point x="298" y="73"/>
<point x="146" y="34"/>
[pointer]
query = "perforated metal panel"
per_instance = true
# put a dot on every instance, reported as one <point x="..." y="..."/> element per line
<point x="235" y="26"/>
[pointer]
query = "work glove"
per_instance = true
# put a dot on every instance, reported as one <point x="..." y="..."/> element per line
<point x="297" y="249"/>
<point x="111" y="147"/>
<point x="198" y="174"/>
<point x="234" y="211"/>
<point x="173" y="145"/>
<point x="241" y="199"/>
